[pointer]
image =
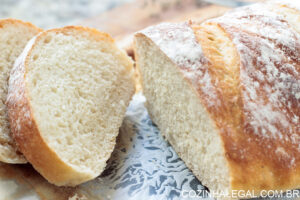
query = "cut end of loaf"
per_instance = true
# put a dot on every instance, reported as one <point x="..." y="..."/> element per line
<point x="78" y="85"/>
<point x="197" y="142"/>
<point x="242" y="72"/>
<point x="14" y="35"/>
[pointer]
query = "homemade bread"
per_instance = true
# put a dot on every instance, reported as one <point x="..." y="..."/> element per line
<point x="68" y="93"/>
<point x="14" y="35"/>
<point x="226" y="95"/>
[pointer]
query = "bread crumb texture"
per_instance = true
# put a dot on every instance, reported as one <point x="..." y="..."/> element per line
<point x="77" y="85"/>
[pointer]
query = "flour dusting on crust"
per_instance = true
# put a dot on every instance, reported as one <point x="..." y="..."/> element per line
<point x="178" y="42"/>
<point x="269" y="50"/>
<point x="16" y="90"/>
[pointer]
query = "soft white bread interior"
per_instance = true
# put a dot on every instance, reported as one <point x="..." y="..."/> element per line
<point x="226" y="95"/>
<point x="174" y="106"/>
<point x="14" y="35"/>
<point x="68" y="94"/>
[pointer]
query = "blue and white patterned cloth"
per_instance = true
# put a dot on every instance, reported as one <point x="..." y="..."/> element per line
<point x="144" y="166"/>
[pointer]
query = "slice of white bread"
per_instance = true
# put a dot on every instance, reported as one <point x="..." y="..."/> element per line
<point x="68" y="93"/>
<point x="226" y="95"/>
<point x="14" y="35"/>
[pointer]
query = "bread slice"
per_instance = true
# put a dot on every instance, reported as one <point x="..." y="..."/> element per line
<point x="14" y="35"/>
<point x="226" y="95"/>
<point x="68" y="94"/>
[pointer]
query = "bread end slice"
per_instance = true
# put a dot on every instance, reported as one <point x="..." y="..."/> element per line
<point x="68" y="94"/>
<point x="14" y="35"/>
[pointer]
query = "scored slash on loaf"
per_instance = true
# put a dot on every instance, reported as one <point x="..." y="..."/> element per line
<point x="226" y="94"/>
<point x="68" y="93"/>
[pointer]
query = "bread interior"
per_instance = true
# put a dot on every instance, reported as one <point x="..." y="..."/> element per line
<point x="79" y="87"/>
<point x="175" y="107"/>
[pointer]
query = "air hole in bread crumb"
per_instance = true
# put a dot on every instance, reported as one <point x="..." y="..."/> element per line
<point x="8" y="58"/>
<point x="59" y="141"/>
<point x="47" y="39"/>
<point x="61" y="124"/>
<point x="57" y="114"/>
<point x="93" y="110"/>
<point x="53" y="89"/>
<point x="69" y="141"/>
<point x="35" y="57"/>
<point x="80" y="93"/>
<point x="34" y="82"/>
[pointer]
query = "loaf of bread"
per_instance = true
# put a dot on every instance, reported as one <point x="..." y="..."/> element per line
<point x="226" y="95"/>
<point x="68" y="93"/>
<point x="14" y="35"/>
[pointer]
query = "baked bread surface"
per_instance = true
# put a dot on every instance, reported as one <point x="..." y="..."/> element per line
<point x="68" y="94"/>
<point x="243" y="68"/>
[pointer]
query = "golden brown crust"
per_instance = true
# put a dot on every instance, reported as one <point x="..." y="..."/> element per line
<point x="17" y="21"/>
<point x="94" y="33"/>
<point x="24" y="127"/>
<point x="266" y="155"/>
<point x="256" y="167"/>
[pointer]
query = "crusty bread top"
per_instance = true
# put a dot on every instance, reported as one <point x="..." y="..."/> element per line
<point x="269" y="52"/>
<point x="258" y="108"/>
<point x="14" y="34"/>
